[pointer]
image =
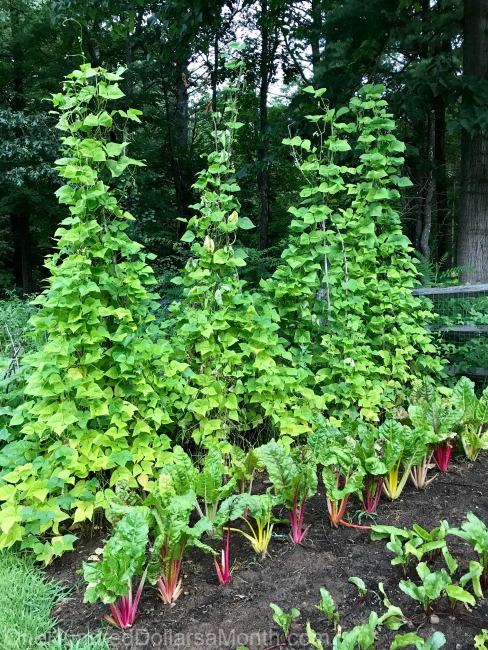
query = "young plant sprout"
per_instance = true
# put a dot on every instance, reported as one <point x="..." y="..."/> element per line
<point x="283" y="619"/>
<point x="327" y="607"/>
<point x="359" y="582"/>
<point x="475" y="532"/>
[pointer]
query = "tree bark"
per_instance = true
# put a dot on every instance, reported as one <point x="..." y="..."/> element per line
<point x="20" y="225"/>
<point x="445" y="244"/>
<point x="473" y="222"/>
<point x="263" y="151"/>
<point x="177" y="118"/>
<point x="19" y="218"/>
<point x="444" y="218"/>
<point x="315" y="33"/>
<point x="426" y="222"/>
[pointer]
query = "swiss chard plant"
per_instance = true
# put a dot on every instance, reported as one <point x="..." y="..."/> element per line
<point x="110" y="580"/>
<point x="233" y="508"/>
<point x="327" y="607"/>
<point x="475" y="532"/>
<point x="361" y="586"/>
<point x="223" y="564"/>
<point x="213" y="483"/>
<point x="479" y="640"/>
<point x="172" y="505"/>
<point x="473" y="578"/>
<point x="474" y="417"/>
<point x="94" y="399"/>
<point x="259" y="521"/>
<point x="416" y="544"/>
<point x="283" y="619"/>
<point x="402" y="448"/>
<point x="434" y="585"/>
<point x="436" y="641"/>
<point x="294" y="478"/>
<point x="341" y="470"/>
<point x="368" y="451"/>
<point x="439" y="418"/>
<point x="243" y="466"/>
<point x="363" y="636"/>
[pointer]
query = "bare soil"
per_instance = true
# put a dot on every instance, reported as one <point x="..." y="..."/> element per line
<point x="214" y="617"/>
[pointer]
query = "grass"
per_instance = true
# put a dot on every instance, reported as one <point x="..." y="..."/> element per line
<point x="26" y="600"/>
<point x="89" y="642"/>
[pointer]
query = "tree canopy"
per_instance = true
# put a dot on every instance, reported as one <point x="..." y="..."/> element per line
<point x="429" y="55"/>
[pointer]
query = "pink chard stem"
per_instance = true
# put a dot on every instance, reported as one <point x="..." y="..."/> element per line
<point x="296" y="515"/>
<point x="373" y="487"/>
<point x="169" y="584"/>
<point x="224" y="573"/>
<point x="124" y="612"/>
<point x="442" y="455"/>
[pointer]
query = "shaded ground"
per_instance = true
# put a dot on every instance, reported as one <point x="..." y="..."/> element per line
<point x="211" y="616"/>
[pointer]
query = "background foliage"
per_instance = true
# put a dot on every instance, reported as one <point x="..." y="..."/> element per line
<point x="172" y="53"/>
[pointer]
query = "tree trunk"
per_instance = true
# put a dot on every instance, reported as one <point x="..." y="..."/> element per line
<point x="444" y="242"/>
<point x="20" y="224"/>
<point x="315" y="33"/>
<point x="263" y="151"/>
<point x="424" y="222"/>
<point x="178" y="148"/>
<point x="215" y="71"/>
<point x="19" y="218"/>
<point x="444" y="217"/>
<point x="473" y="222"/>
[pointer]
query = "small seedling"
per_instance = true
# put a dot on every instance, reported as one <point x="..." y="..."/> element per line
<point x="436" y="641"/>
<point x="475" y="532"/>
<point x="283" y="619"/>
<point x="479" y="640"/>
<point x="313" y="638"/>
<point x="362" y="589"/>
<point x="433" y="585"/>
<point x="327" y="607"/>
<point x="474" y="577"/>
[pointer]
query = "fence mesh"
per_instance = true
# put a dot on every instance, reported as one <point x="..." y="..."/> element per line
<point x="461" y="318"/>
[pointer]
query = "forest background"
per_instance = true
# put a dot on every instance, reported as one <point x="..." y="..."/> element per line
<point x="431" y="56"/>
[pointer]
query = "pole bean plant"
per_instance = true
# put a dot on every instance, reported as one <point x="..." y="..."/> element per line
<point x="94" y="401"/>
<point x="344" y="288"/>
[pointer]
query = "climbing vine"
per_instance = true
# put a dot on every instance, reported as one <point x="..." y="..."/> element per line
<point x="93" y="400"/>
<point x="344" y="292"/>
<point x="240" y="376"/>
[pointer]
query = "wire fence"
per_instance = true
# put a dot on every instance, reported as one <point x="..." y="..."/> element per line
<point x="461" y="318"/>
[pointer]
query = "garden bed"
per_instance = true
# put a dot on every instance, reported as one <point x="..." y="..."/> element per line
<point x="211" y="616"/>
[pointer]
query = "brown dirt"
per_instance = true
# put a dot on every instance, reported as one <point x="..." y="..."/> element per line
<point x="209" y="616"/>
